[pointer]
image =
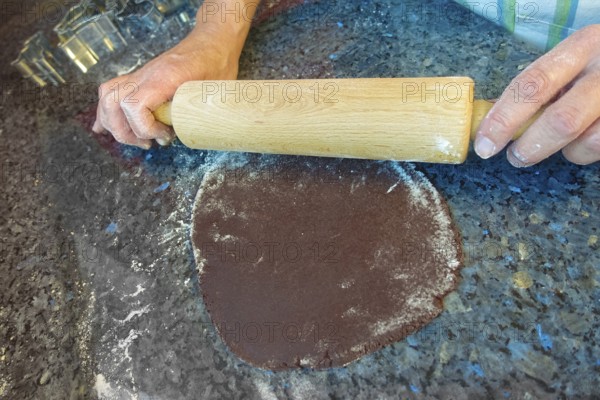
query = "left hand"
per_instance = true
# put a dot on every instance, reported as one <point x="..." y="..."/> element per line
<point x="127" y="102"/>
<point x="571" y="73"/>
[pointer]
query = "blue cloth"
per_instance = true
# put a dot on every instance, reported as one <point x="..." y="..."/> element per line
<point x="541" y="23"/>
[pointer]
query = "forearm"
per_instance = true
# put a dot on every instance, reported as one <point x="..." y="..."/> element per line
<point x="227" y="21"/>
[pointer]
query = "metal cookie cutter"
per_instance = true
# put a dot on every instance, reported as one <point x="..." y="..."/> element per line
<point x="88" y="35"/>
<point x="139" y="17"/>
<point x="39" y="62"/>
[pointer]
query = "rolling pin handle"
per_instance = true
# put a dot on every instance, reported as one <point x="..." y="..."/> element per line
<point x="163" y="113"/>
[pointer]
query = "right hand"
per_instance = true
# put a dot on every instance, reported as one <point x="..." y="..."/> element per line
<point x="126" y="102"/>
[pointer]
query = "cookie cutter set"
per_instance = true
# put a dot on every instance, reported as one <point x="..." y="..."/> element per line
<point x="92" y="31"/>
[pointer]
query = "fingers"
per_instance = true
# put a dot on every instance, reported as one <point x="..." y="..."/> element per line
<point x="117" y="124"/>
<point x="97" y="127"/>
<point x="560" y="124"/>
<point x="586" y="148"/>
<point x="125" y="110"/>
<point x="109" y="116"/>
<point x="533" y="88"/>
<point x="138" y="111"/>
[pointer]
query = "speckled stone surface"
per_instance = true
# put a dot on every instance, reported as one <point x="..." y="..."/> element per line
<point x="99" y="293"/>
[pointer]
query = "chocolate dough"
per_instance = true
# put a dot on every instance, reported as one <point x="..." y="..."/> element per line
<point x="314" y="262"/>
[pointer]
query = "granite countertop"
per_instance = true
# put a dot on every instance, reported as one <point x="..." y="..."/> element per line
<point x="99" y="294"/>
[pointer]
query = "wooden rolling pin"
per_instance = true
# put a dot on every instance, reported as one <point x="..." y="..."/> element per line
<point x="405" y="119"/>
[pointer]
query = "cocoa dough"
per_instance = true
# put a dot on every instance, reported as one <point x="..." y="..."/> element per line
<point x="315" y="262"/>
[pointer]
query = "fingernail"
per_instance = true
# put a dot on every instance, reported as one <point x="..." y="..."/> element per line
<point x="484" y="147"/>
<point x="516" y="159"/>
<point x="145" y="144"/>
<point x="166" y="139"/>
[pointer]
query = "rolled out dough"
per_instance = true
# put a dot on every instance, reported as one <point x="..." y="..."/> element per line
<point x="314" y="262"/>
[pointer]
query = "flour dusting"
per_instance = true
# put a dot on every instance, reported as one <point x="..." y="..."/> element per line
<point x="264" y="390"/>
<point x="440" y="247"/>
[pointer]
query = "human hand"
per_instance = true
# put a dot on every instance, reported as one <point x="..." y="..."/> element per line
<point x="126" y="102"/>
<point x="569" y="73"/>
